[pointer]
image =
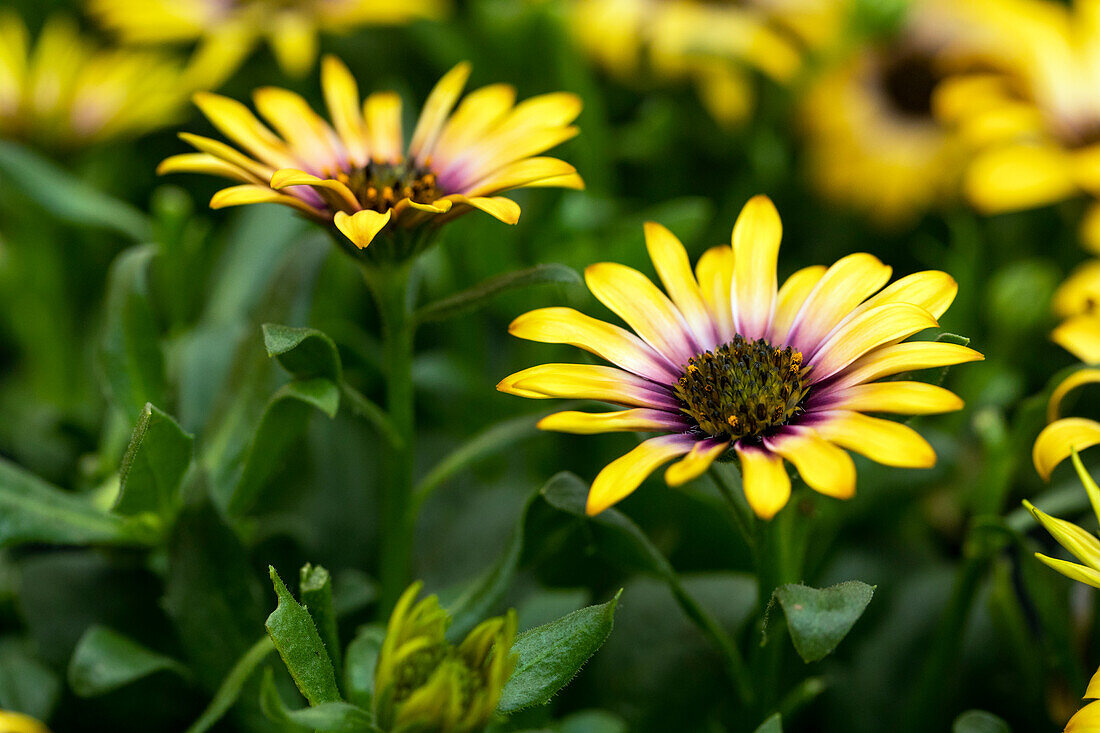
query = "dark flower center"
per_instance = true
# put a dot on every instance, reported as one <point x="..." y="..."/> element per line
<point x="743" y="389"/>
<point x="908" y="82"/>
<point x="379" y="186"/>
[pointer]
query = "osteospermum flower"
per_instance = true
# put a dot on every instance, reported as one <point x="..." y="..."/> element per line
<point x="65" y="91"/>
<point x="729" y="364"/>
<point x="228" y="31"/>
<point x="357" y="174"/>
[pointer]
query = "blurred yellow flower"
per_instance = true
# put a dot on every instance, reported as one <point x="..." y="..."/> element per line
<point x="13" y="722"/>
<point x="358" y="176"/>
<point x="229" y="31"/>
<point x="1040" y="129"/>
<point x="1076" y="302"/>
<point x="874" y="139"/>
<point x="714" y="45"/>
<point x="730" y="364"/>
<point x="67" y="91"/>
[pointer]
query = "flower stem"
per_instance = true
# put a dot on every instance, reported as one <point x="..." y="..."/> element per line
<point x="390" y="285"/>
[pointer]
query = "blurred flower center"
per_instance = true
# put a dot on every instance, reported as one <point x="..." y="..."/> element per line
<point x="908" y="81"/>
<point x="743" y="388"/>
<point x="379" y="186"/>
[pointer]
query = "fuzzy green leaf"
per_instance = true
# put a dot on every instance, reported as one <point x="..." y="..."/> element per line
<point x="328" y="717"/>
<point x="304" y="352"/>
<point x="32" y="510"/>
<point x="979" y="721"/>
<point x="551" y="655"/>
<point x="68" y="198"/>
<point x="283" y="422"/>
<point x="315" y="587"/>
<point x="773" y="724"/>
<point x="295" y="637"/>
<point x="819" y="619"/>
<point x="105" y="660"/>
<point x="231" y="687"/>
<point x="359" y="667"/>
<point x="153" y="466"/>
<point x="482" y="294"/>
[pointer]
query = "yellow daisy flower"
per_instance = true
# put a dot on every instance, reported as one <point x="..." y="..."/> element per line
<point x="1076" y="302"/>
<point x="13" y="722"/>
<point x="357" y="175"/>
<point x="730" y="364"/>
<point x="66" y="91"/>
<point x="228" y="31"/>
<point x="715" y="45"/>
<point x="874" y="138"/>
<point x="1039" y="129"/>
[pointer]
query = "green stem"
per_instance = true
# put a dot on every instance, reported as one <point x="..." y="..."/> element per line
<point x="390" y="285"/>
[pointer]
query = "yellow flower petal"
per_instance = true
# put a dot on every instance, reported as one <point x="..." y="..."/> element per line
<point x="545" y="110"/>
<point x="476" y="114"/>
<point x="203" y="163"/>
<point x="290" y="177"/>
<point x="904" y="398"/>
<point x="498" y="207"/>
<point x="1080" y="543"/>
<point x="362" y="226"/>
<point x="1090" y="485"/>
<point x="1019" y="177"/>
<point x="714" y="271"/>
<point x="909" y="356"/>
<point x="230" y="155"/>
<point x="633" y="297"/>
<point x="236" y="122"/>
<point x="256" y="194"/>
<point x="622" y="476"/>
<point x="1092" y="692"/>
<point x="1071" y="570"/>
<point x="589" y="423"/>
<point x="310" y="137"/>
<point x="1080" y="336"/>
<point x="382" y="112"/>
<point x="865" y="331"/>
<point x="1067" y="385"/>
<point x="824" y="467"/>
<point x="883" y="441"/>
<point x="846" y="284"/>
<point x="1090" y="229"/>
<point x="764" y="479"/>
<point x="521" y="173"/>
<point x="616" y="345"/>
<point x="293" y="39"/>
<point x="1085" y="720"/>
<point x="932" y="290"/>
<point x="342" y="99"/>
<point x="585" y="382"/>
<point x="13" y="722"/>
<point x="696" y="462"/>
<point x="673" y="267"/>
<point x="1059" y="439"/>
<point x="219" y="55"/>
<point x="436" y="108"/>
<point x="756" y="237"/>
<point x="1080" y="292"/>
<point x="790" y="299"/>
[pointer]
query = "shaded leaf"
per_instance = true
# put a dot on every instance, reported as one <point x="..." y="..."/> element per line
<point x="295" y="637"/>
<point x="231" y="687"/>
<point x="979" y="721"/>
<point x="482" y="294"/>
<point x="153" y="465"/>
<point x="105" y="660"/>
<point x="550" y="656"/>
<point x="819" y="619"/>
<point x="283" y="422"/>
<point x="32" y="510"/>
<point x="315" y="588"/>
<point x="359" y="667"/>
<point x="774" y="724"/>
<point x="329" y="717"/>
<point x="304" y="352"/>
<point x="66" y="197"/>
<point x="26" y="684"/>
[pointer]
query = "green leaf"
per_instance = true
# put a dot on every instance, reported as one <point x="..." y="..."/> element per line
<point x="304" y="352"/>
<point x="32" y="510"/>
<point x="315" y="587"/>
<point x="26" y="684"/>
<point x="481" y="294"/>
<point x="774" y="724"/>
<point x="359" y="666"/>
<point x="66" y="197"/>
<point x="231" y="688"/>
<point x="105" y="660"/>
<point x="551" y="655"/>
<point x="819" y="619"/>
<point x="283" y="422"/>
<point x="329" y="717"/>
<point x="295" y="637"/>
<point x="130" y="354"/>
<point x="592" y="721"/>
<point x="153" y="465"/>
<point x="979" y="721"/>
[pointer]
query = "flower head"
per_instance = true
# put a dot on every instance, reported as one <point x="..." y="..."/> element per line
<point x="356" y="173"/>
<point x="727" y="363"/>
<point x="228" y="31"/>
<point x="67" y="91"/>
<point x="422" y="682"/>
